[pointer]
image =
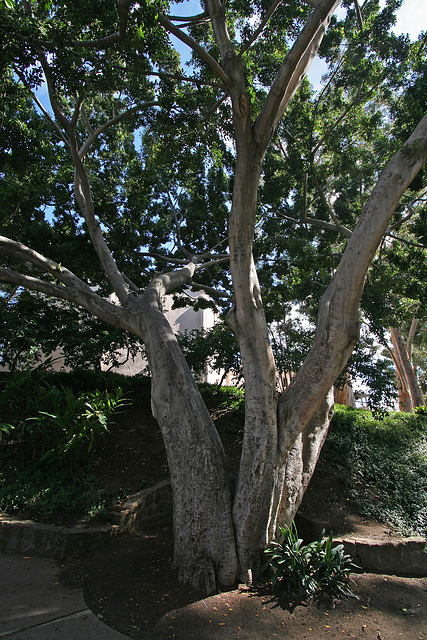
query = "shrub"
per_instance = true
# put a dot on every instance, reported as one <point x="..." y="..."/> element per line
<point x="309" y="568"/>
<point x="38" y="491"/>
<point x="384" y="460"/>
<point x="54" y="421"/>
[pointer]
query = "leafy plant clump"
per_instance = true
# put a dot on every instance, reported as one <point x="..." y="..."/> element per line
<point x="309" y="568"/>
<point x="384" y="459"/>
<point x="54" y="421"/>
<point x="46" y="435"/>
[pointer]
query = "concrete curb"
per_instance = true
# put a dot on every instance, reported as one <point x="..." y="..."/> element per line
<point x="403" y="557"/>
<point x="49" y="541"/>
<point x="153" y="507"/>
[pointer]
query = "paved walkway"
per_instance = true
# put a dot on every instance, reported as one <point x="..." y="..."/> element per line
<point x="34" y="605"/>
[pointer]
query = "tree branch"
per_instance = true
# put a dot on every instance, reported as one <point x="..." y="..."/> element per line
<point x="123" y="11"/>
<point x="260" y="27"/>
<point x="180" y="246"/>
<point x="411" y="336"/>
<point x="52" y="98"/>
<point x="186" y="39"/>
<point x="85" y="298"/>
<point x="358" y="14"/>
<point x="83" y="197"/>
<point x="410" y="243"/>
<point x="162" y="258"/>
<point x="175" y="76"/>
<point x="15" y="249"/>
<point x="41" y="107"/>
<point x="399" y="223"/>
<point x="212" y="263"/>
<point x="200" y="17"/>
<point x="338" y="321"/>
<point x="168" y="282"/>
<point x="94" y="134"/>
<point x="343" y="230"/>
<point x="293" y="69"/>
<point x="211" y="290"/>
<point x="77" y="109"/>
<point x="358" y="99"/>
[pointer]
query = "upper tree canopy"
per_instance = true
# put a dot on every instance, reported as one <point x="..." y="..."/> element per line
<point x="157" y="136"/>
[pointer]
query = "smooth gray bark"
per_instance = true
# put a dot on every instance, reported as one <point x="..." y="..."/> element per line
<point x="204" y="540"/>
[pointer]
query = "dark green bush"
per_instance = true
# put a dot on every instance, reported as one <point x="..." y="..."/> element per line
<point x="384" y="460"/>
<point x="51" y="420"/>
<point x="48" y="432"/>
<point x="38" y="491"/>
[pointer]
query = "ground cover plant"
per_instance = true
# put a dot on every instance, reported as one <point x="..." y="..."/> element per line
<point x="48" y="431"/>
<point x="383" y="456"/>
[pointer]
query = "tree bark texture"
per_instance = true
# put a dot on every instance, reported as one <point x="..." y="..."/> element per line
<point x="204" y="540"/>
<point x="218" y="538"/>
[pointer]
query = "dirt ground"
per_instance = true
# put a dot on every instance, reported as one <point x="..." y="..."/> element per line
<point x="130" y="583"/>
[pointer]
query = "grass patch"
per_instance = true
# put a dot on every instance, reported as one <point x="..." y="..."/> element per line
<point x="384" y="459"/>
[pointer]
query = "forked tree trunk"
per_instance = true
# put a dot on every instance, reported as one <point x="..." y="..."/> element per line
<point x="282" y="440"/>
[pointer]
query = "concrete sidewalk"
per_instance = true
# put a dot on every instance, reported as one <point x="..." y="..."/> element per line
<point x="34" y="605"/>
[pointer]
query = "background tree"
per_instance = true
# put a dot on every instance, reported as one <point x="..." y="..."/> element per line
<point x="112" y="69"/>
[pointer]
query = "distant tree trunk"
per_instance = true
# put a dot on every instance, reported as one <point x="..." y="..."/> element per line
<point x="410" y="394"/>
<point x="345" y="395"/>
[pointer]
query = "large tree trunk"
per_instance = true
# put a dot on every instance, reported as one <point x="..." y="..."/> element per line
<point x="301" y="462"/>
<point x="256" y="476"/>
<point x="282" y="440"/>
<point x="204" y="540"/>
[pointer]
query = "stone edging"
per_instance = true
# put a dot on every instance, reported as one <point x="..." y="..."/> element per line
<point x="153" y="507"/>
<point x="402" y="557"/>
<point x="50" y="541"/>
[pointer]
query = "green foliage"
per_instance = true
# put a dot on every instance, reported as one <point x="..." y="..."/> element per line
<point x="384" y="460"/>
<point x="43" y="491"/>
<point x="32" y="326"/>
<point x="216" y="348"/>
<point x="421" y="410"/>
<point x="171" y="165"/>
<point x="54" y="421"/>
<point x="309" y="568"/>
<point x="374" y="372"/>
<point x="50" y="429"/>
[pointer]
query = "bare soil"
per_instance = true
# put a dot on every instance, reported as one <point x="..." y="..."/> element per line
<point x="130" y="583"/>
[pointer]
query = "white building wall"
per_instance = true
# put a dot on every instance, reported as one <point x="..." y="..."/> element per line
<point x="181" y="320"/>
